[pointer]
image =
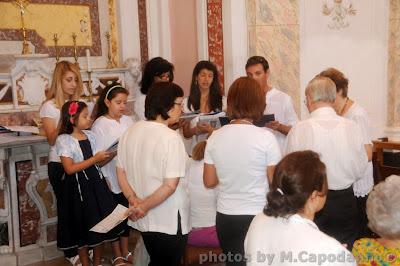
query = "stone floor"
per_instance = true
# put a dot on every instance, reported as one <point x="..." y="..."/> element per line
<point x="107" y="254"/>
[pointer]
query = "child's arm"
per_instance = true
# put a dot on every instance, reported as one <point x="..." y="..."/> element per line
<point x="70" y="167"/>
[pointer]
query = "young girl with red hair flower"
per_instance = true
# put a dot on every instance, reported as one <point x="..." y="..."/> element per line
<point x="85" y="195"/>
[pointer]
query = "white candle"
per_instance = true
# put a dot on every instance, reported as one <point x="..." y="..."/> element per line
<point x="89" y="65"/>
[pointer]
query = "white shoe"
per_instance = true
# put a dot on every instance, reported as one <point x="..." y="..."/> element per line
<point x="74" y="261"/>
<point x="90" y="255"/>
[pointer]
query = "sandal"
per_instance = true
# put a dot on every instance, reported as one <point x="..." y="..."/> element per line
<point x="75" y="261"/>
<point x="115" y="263"/>
<point x="128" y="256"/>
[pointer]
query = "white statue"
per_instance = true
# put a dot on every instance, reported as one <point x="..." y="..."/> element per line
<point x="134" y="76"/>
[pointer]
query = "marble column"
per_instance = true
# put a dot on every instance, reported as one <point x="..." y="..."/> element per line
<point x="273" y="28"/>
<point x="393" y="111"/>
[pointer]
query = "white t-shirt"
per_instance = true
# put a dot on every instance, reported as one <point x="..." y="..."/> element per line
<point x="358" y="114"/>
<point x="281" y="105"/>
<point x="292" y="241"/>
<point x="106" y="131"/>
<point x="50" y="110"/>
<point x="203" y="201"/>
<point x="138" y="106"/>
<point x="198" y="138"/>
<point x="241" y="154"/>
<point x="337" y="140"/>
<point x="149" y="152"/>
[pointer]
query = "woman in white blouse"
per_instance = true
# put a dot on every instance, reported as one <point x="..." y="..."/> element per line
<point x="205" y="97"/>
<point x="151" y="159"/>
<point x="66" y="85"/>
<point x="347" y="108"/>
<point x="285" y="233"/>
<point x="239" y="160"/>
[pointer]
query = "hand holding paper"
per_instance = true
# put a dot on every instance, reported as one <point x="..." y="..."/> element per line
<point x="112" y="220"/>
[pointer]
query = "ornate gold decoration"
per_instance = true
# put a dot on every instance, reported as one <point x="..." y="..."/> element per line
<point x="75" y="51"/>
<point x="22" y="4"/>
<point x="112" y="16"/>
<point x="338" y="14"/>
<point x="55" y="39"/>
<point x="90" y="87"/>
<point x="110" y="61"/>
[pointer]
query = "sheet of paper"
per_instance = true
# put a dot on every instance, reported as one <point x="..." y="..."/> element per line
<point x="29" y="129"/>
<point x="112" y="220"/>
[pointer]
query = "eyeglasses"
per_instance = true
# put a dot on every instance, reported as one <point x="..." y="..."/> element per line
<point x="164" y="76"/>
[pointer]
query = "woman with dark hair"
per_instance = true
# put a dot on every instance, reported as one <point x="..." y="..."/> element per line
<point x="285" y="232"/>
<point x="239" y="161"/>
<point x="156" y="70"/>
<point x="151" y="160"/>
<point x="205" y="97"/>
<point x="85" y="196"/>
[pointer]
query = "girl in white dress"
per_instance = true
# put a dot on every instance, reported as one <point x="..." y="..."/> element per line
<point x="111" y="122"/>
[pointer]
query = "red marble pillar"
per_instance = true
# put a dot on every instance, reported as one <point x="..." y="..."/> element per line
<point x="144" y="49"/>
<point x="215" y="36"/>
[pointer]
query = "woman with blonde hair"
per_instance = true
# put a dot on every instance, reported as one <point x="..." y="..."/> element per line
<point x="66" y="85"/>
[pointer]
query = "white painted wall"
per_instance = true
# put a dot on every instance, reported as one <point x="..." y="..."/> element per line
<point x="128" y="29"/>
<point x="158" y="29"/>
<point x="359" y="51"/>
<point x="235" y="40"/>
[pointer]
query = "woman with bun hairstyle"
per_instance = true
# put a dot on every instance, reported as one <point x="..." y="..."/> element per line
<point x="298" y="191"/>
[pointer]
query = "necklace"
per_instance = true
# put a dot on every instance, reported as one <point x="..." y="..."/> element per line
<point x="344" y="106"/>
<point x="244" y="121"/>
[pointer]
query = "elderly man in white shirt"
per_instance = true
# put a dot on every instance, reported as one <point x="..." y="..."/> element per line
<point x="278" y="103"/>
<point x="340" y="143"/>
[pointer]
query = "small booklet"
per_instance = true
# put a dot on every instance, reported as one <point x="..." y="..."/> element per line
<point x="212" y="119"/>
<point x="112" y="220"/>
<point x="113" y="147"/>
<point x="188" y="116"/>
<point x="260" y="123"/>
<point x="265" y="119"/>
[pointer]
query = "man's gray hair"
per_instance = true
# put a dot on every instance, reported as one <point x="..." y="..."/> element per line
<point x="383" y="208"/>
<point x="321" y="89"/>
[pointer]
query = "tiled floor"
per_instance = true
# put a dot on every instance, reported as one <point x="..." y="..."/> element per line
<point x="107" y="254"/>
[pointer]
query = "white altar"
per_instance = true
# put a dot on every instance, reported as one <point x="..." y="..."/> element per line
<point x="28" y="219"/>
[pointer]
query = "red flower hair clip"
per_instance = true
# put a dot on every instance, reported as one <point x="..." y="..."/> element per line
<point x="73" y="108"/>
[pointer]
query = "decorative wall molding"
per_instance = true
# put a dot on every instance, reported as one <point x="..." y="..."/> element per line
<point x="65" y="51"/>
<point x="216" y="36"/>
<point x="338" y="14"/>
<point x="143" y="28"/>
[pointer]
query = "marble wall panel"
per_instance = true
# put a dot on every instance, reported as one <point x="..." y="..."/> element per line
<point x="29" y="216"/>
<point x="393" y="112"/>
<point x="275" y="35"/>
<point x="144" y="45"/>
<point x="283" y="12"/>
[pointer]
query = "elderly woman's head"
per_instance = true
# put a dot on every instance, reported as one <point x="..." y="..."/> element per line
<point x="246" y="99"/>
<point x="299" y="185"/>
<point x="383" y="208"/>
<point x="164" y="100"/>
